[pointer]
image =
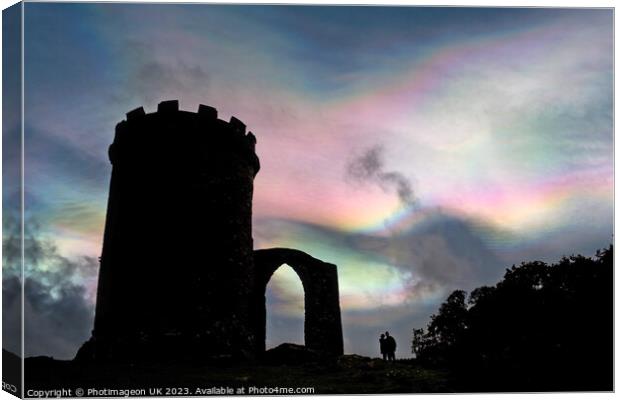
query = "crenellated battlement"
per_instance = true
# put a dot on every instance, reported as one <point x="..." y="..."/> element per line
<point x="203" y="130"/>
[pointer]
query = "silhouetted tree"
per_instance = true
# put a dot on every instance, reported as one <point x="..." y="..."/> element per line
<point x="542" y="327"/>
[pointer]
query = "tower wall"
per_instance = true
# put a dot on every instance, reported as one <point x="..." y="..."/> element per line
<point x="178" y="251"/>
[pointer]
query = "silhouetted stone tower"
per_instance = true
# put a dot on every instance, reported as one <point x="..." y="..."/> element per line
<point x="179" y="220"/>
<point x="179" y="278"/>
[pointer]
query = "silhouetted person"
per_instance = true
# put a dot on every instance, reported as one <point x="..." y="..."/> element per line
<point x="390" y="346"/>
<point x="383" y="347"/>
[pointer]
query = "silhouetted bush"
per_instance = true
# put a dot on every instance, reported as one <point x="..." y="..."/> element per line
<point x="542" y="327"/>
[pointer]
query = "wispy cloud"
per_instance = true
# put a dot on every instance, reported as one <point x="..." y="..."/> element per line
<point x="369" y="167"/>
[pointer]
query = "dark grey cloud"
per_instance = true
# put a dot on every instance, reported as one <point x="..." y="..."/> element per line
<point x="58" y="313"/>
<point x="55" y="325"/>
<point x="151" y="78"/>
<point x="369" y="167"/>
<point x="443" y="253"/>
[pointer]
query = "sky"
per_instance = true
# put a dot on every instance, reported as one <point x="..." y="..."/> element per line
<point x="421" y="150"/>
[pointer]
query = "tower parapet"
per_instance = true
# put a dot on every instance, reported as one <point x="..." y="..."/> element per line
<point x="204" y="127"/>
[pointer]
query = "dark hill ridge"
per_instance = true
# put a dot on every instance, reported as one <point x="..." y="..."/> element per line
<point x="288" y="365"/>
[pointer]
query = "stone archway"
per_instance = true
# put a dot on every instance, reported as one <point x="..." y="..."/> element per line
<point x="322" y="325"/>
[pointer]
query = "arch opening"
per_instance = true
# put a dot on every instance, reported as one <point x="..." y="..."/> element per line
<point x="322" y="324"/>
<point x="285" y="308"/>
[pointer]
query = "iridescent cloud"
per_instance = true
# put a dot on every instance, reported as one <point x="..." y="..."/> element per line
<point x="500" y="119"/>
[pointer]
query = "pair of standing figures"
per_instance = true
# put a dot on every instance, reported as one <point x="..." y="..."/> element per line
<point x="387" y="345"/>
